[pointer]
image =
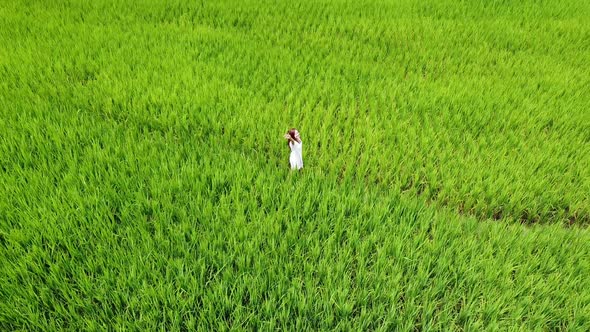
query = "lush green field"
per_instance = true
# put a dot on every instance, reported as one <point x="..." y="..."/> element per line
<point x="144" y="181"/>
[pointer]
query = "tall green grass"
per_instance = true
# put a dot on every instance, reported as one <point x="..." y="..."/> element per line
<point x="144" y="180"/>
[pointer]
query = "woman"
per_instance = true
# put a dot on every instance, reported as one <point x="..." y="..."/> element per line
<point x="294" y="142"/>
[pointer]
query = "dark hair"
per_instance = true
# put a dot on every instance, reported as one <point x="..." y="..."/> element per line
<point x="291" y="133"/>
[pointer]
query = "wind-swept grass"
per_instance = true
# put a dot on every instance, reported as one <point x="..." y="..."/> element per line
<point x="144" y="181"/>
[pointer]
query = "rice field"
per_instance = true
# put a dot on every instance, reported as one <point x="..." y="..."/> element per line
<point x="144" y="181"/>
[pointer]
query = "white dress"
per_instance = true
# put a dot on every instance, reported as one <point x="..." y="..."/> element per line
<point x="296" y="158"/>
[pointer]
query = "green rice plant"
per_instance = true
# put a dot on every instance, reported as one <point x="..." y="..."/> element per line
<point x="144" y="181"/>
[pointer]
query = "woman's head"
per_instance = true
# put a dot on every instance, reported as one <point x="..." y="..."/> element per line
<point x="294" y="133"/>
